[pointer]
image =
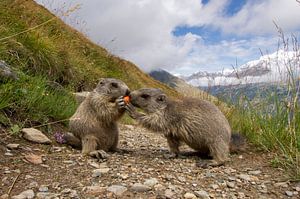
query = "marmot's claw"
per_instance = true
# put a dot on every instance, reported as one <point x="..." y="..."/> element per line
<point x="99" y="154"/>
<point x="120" y="102"/>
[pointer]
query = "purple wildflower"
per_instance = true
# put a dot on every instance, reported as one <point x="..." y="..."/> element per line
<point x="59" y="137"/>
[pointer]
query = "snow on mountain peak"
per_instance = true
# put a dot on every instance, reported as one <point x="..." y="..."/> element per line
<point x="273" y="67"/>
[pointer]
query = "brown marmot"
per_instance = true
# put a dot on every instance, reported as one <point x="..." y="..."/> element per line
<point x="93" y="127"/>
<point x="198" y="123"/>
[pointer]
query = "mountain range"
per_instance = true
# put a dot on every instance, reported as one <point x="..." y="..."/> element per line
<point x="269" y="68"/>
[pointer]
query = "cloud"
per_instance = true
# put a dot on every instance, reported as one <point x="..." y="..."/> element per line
<point x="142" y="31"/>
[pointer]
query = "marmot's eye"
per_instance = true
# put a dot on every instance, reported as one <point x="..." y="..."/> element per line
<point x="145" y="96"/>
<point x="115" y="85"/>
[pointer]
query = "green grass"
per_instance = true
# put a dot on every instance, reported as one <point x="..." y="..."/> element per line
<point x="52" y="54"/>
<point x="271" y="129"/>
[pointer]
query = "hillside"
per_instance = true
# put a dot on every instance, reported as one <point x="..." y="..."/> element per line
<point x="44" y="51"/>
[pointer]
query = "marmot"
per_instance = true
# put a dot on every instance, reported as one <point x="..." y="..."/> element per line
<point x="93" y="127"/>
<point x="198" y="123"/>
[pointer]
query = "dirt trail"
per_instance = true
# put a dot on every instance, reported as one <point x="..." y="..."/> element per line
<point x="145" y="170"/>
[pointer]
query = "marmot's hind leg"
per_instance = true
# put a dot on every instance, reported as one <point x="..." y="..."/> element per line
<point x="219" y="151"/>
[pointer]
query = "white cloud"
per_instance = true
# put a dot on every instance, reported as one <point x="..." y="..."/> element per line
<point x="141" y="31"/>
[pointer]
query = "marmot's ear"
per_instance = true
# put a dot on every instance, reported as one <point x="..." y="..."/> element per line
<point x="161" y="98"/>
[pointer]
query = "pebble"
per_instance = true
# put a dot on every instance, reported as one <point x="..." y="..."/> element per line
<point x="33" y="184"/>
<point x="13" y="146"/>
<point x="43" y="188"/>
<point x="189" y="196"/>
<point x="281" y="184"/>
<point x="138" y="187"/>
<point x="202" y="194"/>
<point x="244" y="177"/>
<point x="230" y="184"/>
<point x="28" y="194"/>
<point x="94" y="190"/>
<point x="289" y="193"/>
<point x="169" y="193"/>
<point x="117" y="189"/>
<point x="214" y="186"/>
<point x="257" y="172"/>
<point x="46" y="195"/>
<point x="4" y="196"/>
<point x="151" y="182"/>
<point x="8" y="154"/>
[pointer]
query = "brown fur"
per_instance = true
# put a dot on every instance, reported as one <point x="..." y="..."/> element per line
<point x="198" y="123"/>
<point x="93" y="126"/>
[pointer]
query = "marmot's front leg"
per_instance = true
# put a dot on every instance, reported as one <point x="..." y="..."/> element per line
<point x="174" y="144"/>
<point x="130" y="109"/>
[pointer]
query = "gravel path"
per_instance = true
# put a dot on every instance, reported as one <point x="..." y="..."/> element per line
<point x="144" y="169"/>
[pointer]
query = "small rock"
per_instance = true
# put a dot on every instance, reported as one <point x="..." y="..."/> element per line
<point x="28" y="194"/>
<point x="214" y="186"/>
<point x="99" y="172"/>
<point x="117" y="189"/>
<point x="46" y="195"/>
<point x="169" y="193"/>
<point x="244" y="177"/>
<point x="34" y="159"/>
<point x="35" y="135"/>
<point x="6" y="72"/>
<point x="43" y="189"/>
<point x="241" y="195"/>
<point x="289" y="193"/>
<point x="138" y="187"/>
<point x="74" y="194"/>
<point x="13" y="146"/>
<point x="94" y="164"/>
<point x="33" y="185"/>
<point x="297" y="188"/>
<point x="151" y="182"/>
<point x="189" y="196"/>
<point x="230" y="184"/>
<point x="28" y="177"/>
<point x="8" y="154"/>
<point x="257" y="172"/>
<point x="4" y="196"/>
<point x="281" y="184"/>
<point x="95" y="190"/>
<point x="202" y="194"/>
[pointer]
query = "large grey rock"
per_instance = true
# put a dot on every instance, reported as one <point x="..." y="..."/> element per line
<point x="6" y="72"/>
<point x="80" y="96"/>
<point x="28" y="194"/>
<point x="35" y="135"/>
<point x="117" y="189"/>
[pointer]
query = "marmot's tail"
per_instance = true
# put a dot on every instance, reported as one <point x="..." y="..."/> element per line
<point x="238" y="143"/>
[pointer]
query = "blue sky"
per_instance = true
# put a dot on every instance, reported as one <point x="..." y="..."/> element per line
<point x="183" y="36"/>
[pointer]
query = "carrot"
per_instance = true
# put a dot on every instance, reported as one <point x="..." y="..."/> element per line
<point x="126" y="99"/>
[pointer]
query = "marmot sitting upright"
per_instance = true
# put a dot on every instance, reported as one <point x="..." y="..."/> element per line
<point x="93" y="127"/>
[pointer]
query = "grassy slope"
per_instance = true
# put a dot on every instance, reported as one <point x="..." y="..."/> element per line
<point x="53" y="52"/>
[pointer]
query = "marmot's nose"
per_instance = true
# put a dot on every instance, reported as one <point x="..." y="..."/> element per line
<point x="127" y="92"/>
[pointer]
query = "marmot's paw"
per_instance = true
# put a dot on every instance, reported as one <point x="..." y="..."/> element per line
<point x="60" y="137"/>
<point x="99" y="154"/>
